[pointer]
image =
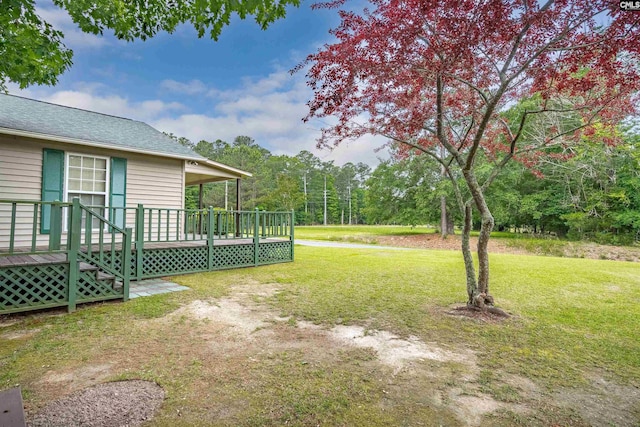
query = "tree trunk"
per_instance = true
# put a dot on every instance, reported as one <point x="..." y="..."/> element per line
<point x="444" y="229"/>
<point x="472" y="284"/>
<point x="480" y="296"/>
<point x="450" y="226"/>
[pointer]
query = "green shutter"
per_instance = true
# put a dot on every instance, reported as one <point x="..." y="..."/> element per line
<point x="118" y="190"/>
<point x="52" y="184"/>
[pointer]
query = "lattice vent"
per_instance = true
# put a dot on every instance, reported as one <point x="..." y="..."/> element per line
<point x="232" y="256"/>
<point x="159" y="262"/>
<point x="274" y="252"/>
<point x="33" y="286"/>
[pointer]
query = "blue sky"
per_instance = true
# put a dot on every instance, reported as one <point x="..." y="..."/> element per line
<point x="203" y="89"/>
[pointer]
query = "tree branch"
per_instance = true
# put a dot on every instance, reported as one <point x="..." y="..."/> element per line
<point x="471" y="85"/>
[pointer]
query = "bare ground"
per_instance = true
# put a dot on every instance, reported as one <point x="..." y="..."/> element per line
<point x="227" y="341"/>
<point x="569" y="249"/>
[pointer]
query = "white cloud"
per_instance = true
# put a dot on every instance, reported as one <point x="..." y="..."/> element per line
<point x="89" y="96"/>
<point x="193" y="87"/>
<point x="268" y="109"/>
<point x="74" y="38"/>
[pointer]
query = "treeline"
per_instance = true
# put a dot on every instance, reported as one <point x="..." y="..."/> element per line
<point x="284" y="183"/>
<point x="594" y="194"/>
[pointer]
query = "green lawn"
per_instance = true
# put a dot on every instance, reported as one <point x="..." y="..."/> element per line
<point x="573" y="320"/>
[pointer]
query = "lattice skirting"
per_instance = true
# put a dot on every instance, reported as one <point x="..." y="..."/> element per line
<point x="232" y="256"/>
<point x="272" y="252"/>
<point x="32" y="287"/>
<point x="163" y="262"/>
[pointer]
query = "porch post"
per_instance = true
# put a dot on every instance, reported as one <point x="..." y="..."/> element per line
<point x="55" y="230"/>
<point x="256" y="237"/>
<point x="210" y="228"/>
<point x="293" y="221"/>
<point x="72" y="256"/>
<point x="139" y="240"/>
<point x="126" y="263"/>
<point x="200" y="207"/>
<point x="238" y="207"/>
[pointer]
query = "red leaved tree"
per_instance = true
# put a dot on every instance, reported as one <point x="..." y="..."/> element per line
<point x="438" y="76"/>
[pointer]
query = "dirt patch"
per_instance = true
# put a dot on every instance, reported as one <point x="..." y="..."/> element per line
<point x="434" y="241"/>
<point x="241" y="326"/>
<point x="418" y="371"/>
<point x="606" y="404"/>
<point x="393" y="351"/>
<point x="568" y="249"/>
<point x="122" y="403"/>
<point x="18" y="335"/>
<point x="77" y="378"/>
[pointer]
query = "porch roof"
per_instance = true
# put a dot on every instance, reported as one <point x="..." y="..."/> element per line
<point x="202" y="171"/>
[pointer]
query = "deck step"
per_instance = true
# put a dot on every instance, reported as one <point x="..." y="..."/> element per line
<point x="104" y="276"/>
<point x="87" y="267"/>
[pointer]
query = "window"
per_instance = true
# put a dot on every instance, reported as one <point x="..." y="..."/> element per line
<point x="96" y="180"/>
<point x="87" y="180"/>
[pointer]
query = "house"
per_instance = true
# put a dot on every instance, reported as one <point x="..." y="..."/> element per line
<point x="84" y="193"/>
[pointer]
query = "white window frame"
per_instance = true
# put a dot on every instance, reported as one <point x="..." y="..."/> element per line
<point x="107" y="186"/>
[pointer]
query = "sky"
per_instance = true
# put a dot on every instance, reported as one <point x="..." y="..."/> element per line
<point x="206" y="89"/>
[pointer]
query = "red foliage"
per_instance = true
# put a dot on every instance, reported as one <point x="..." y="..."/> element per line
<point x="381" y="74"/>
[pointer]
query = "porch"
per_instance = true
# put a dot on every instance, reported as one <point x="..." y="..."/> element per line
<point x="89" y="254"/>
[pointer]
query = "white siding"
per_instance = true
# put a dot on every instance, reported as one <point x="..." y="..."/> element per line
<point x="151" y="180"/>
<point x="20" y="169"/>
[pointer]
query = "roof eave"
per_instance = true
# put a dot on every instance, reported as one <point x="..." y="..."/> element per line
<point x="37" y="135"/>
<point x="228" y="168"/>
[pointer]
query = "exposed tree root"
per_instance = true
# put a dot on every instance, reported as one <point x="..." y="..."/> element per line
<point x="486" y="313"/>
<point x="487" y="309"/>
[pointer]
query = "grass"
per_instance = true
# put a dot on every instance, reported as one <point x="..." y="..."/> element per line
<point x="573" y="319"/>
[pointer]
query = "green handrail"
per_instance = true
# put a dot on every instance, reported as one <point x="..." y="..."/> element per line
<point x="118" y="263"/>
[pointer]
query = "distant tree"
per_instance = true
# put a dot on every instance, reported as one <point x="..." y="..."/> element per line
<point x="33" y="52"/>
<point x="437" y="76"/>
<point x="286" y="194"/>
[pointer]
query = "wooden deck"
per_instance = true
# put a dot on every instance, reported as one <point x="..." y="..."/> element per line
<point x="32" y="259"/>
<point x="54" y="258"/>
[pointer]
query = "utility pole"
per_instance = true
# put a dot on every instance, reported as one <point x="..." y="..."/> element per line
<point x="226" y="195"/>
<point x="306" y="201"/>
<point x="349" y="203"/>
<point x="325" y="200"/>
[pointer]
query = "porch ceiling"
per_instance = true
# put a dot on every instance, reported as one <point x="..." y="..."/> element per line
<point x="200" y="172"/>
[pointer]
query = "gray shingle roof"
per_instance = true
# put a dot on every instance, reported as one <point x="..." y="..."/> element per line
<point x="65" y="122"/>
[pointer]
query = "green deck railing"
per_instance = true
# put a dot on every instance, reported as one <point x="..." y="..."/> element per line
<point x="23" y="221"/>
<point x="162" y="225"/>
